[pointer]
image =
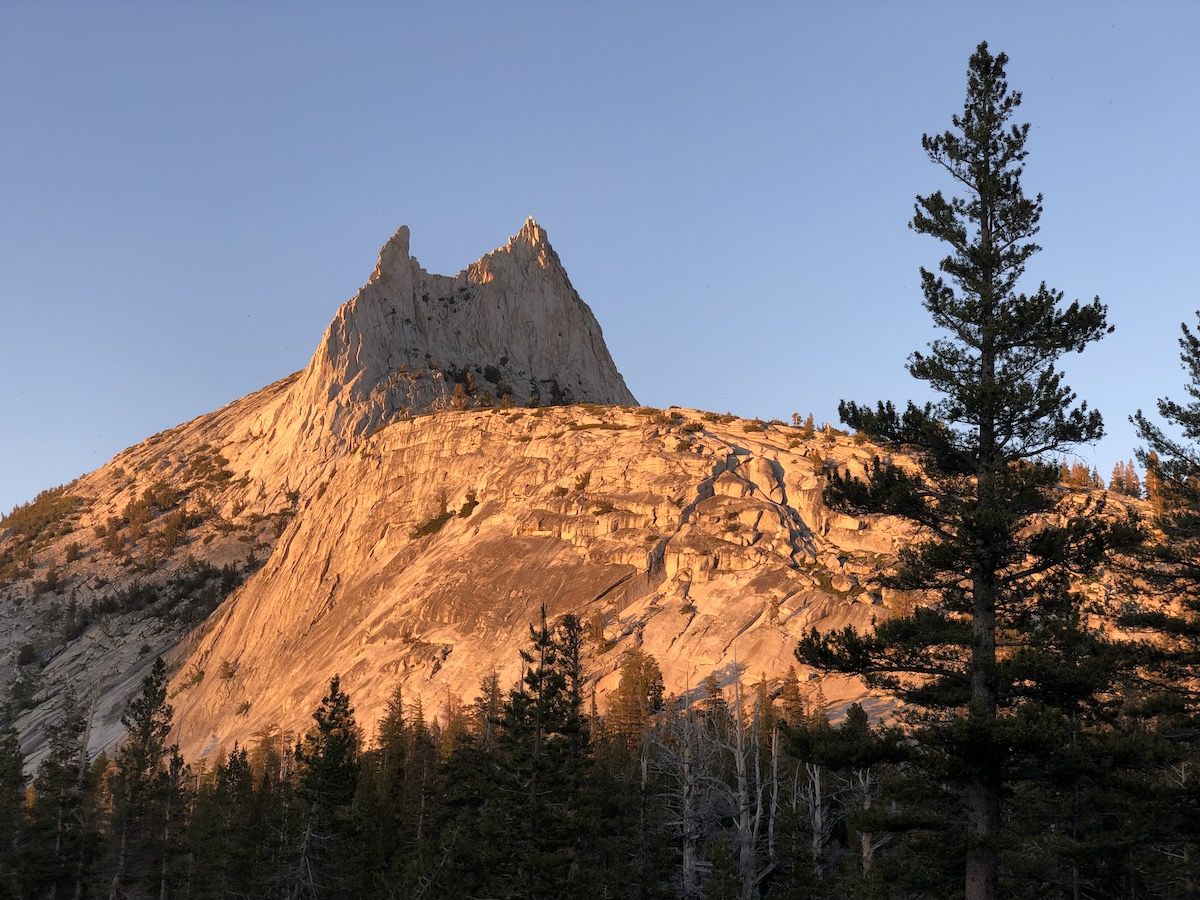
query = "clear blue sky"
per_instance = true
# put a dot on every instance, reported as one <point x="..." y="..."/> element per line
<point x="188" y="191"/>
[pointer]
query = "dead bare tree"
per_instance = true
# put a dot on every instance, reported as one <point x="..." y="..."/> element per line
<point x="818" y="799"/>
<point x="754" y="799"/>
<point x="862" y="787"/>
<point x="687" y="761"/>
<point x="773" y="816"/>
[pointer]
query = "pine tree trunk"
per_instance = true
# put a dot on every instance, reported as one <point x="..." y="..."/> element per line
<point x="774" y="813"/>
<point x="867" y="845"/>
<point x="643" y="870"/>
<point x="115" y="890"/>
<point x="81" y="851"/>
<point x="746" y="855"/>
<point x="983" y="787"/>
<point x="817" y="814"/>
<point x="688" y="876"/>
<point x="58" y="843"/>
<point x="421" y="806"/>
<point x="164" y="868"/>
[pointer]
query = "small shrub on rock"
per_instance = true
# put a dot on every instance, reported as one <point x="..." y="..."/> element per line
<point x="468" y="505"/>
<point x="432" y="526"/>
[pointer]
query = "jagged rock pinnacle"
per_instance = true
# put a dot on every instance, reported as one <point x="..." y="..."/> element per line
<point x="532" y="232"/>
<point x="393" y="254"/>
<point x="509" y="325"/>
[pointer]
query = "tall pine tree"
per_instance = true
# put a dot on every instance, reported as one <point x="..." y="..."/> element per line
<point x="12" y="808"/>
<point x="328" y="764"/>
<point x="1170" y="574"/>
<point x="141" y="788"/>
<point x="1171" y="456"/>
<point x="991" y="564"/>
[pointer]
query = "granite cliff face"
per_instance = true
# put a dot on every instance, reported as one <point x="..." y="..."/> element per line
<point x="459" y="451"/>
<point x="424" y="557"/>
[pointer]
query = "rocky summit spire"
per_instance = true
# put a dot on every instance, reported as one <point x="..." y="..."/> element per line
<point x="393" y="255"/>
<point x="531" y="232"/>
<point x="509" y="328"/>
<point x="510" y="324"/>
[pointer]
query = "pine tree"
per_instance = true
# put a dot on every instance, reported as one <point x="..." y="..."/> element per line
<point x="638" y="696"/>
<point x="226" y="830"/>
<point x="841" y="774"/>
<point x="546" y="753"/>
<point x="1172" y="463"/>
<point x="1133" y="484"/>
<point x="486" y="710"/>
<point x="790" y="699"/>
<point x="1080" y="477"/>
<point x="1116" y="481"/>
<point x="392" y="729"/>
<point x="328" y="755"/>
<point x="281" y="814"/>
<point x="12" y="809"/>
<point x="1152" y="486"/>
<point x="989" y="563"/>
<point x="473" y="816"/>
<point x="1125" y="481"/>
<point x="457" y="726"/>
<point x="327" y="762"/>
<point x="140" y="787"/>
<point x="61" y="839"/>
<point x="1170" y="575"/>
<point x="176" y="798"/>
<point x="420" y="755"/>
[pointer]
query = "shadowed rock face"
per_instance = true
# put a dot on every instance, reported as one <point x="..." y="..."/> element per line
<point x="701" y="538"/>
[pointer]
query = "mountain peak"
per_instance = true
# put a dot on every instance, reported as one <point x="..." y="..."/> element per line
<point x="509" y="328"/>
<point x="532" y="232"/>
<point x="393" y="255"/>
